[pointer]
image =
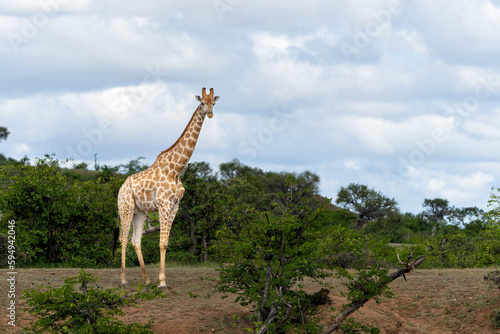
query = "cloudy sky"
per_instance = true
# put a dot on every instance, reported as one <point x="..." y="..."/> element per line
<point x="402" y="96"/>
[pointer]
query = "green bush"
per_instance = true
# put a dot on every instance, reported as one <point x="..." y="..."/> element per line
<point x="494" y="276"/>
<point x="264" y="257"/>
<point x="90" y="310"/>
<point x="345" y="260"/>
<point x="57" y="223"/>
<point x="496" y="319"/>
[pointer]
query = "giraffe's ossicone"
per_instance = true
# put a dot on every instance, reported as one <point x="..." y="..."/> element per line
<point x="159" y="188"/>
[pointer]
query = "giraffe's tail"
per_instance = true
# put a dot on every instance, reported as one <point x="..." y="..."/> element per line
<point x="116" y="234"/>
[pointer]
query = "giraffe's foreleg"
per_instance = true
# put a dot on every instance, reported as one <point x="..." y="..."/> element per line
<point x="125" y="220"/>
<point x="138" y="226"/>
<point x="165" y="226"/>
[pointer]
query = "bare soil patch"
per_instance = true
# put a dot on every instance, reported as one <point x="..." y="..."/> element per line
<point x="432" y="301"/>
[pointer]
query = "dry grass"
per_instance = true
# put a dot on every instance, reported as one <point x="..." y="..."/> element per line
<point x="432" y="301"/>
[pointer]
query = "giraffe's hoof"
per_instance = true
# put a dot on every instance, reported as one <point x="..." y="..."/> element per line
<point x="124" y="284"/>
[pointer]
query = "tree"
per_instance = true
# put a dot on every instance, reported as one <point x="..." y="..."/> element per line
<point x="436" y="210"/>
<point x="134" y="166"/>
<point x="367" y="203"/>
<point x="472" y="219"/>
<point x="369" y="284"/>
<point x="202" y="209"/>
<point x="392" y="227"/>
<point x="263" y="258"/>
<point x="235" y="169"/>
<point x="304" y="188"/>
<point x="267" y="185"/>
<point x="4" y="133"/>
<point x="82" y="165"/>
<point x="491" y="244"/>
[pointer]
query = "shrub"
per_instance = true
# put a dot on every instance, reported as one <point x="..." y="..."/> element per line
<point x="496" y="319"/>
<point x="57" y="223"/>
<point x="494" y="276"/>
<point x="345" y="260"/>
<point x="265" y="256"/>
<point x="90" y="310"/>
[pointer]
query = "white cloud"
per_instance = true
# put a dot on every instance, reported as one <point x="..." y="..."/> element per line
<point x="351" y="119"/>
<point x="352" y="164"/>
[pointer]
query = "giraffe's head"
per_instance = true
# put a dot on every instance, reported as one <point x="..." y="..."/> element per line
<point x="207" y="101"/>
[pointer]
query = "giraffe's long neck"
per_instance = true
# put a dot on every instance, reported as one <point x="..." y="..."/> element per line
<point x="177" y="156"/>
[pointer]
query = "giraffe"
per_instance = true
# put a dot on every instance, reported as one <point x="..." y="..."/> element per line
<point x="159" y="188"/>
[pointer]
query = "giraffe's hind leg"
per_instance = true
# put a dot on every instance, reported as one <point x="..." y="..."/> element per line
<point x="138" y="225"/>
<point x="167" y="215"/>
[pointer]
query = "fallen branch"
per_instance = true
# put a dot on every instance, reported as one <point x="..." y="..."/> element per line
<point x="409" y="266"/>
<point x="152" y="229"/>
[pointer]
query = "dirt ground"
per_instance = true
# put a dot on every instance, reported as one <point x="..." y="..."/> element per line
<point x="432" y="301"/>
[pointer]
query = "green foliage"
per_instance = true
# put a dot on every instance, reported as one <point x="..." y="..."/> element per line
<point x="202" y="210"/>
<point x="365" y="284"/>
<point x="391" y="228"/>
<point x="4" y="133"/>
<point x="334" y="216"/>
<point x="57" y="223"/>
<point x="66" y="216"/>
<point x="436" y="210"/>
<point x="81" y="165"/>
<point x="90" y="310"/>
<point x="8" y="247"/>
<point x="492" y="231"/>
<point x="453" y="251"/>
<point x="4" y="161"/>
<point x="494" y="276"/>
<point x="79" y="175"/>
<point x="256" y="188"/>
<point x="367" y="203"/>
<point x="134" y="166"/>
<point x="351" y="326"/>
<point x="456" y="250"/>
<point x="264" y="257"/>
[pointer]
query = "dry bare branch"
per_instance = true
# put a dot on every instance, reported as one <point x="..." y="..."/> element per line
<point x="152" y="229"/>
<point x="409" y="266"/>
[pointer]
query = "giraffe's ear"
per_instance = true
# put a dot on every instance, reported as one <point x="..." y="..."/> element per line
<point x="216" y="98"/>
<point x="198" y="98"/>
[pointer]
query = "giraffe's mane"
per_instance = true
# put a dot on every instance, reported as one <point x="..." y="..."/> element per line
<point x="182" y="135"/>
